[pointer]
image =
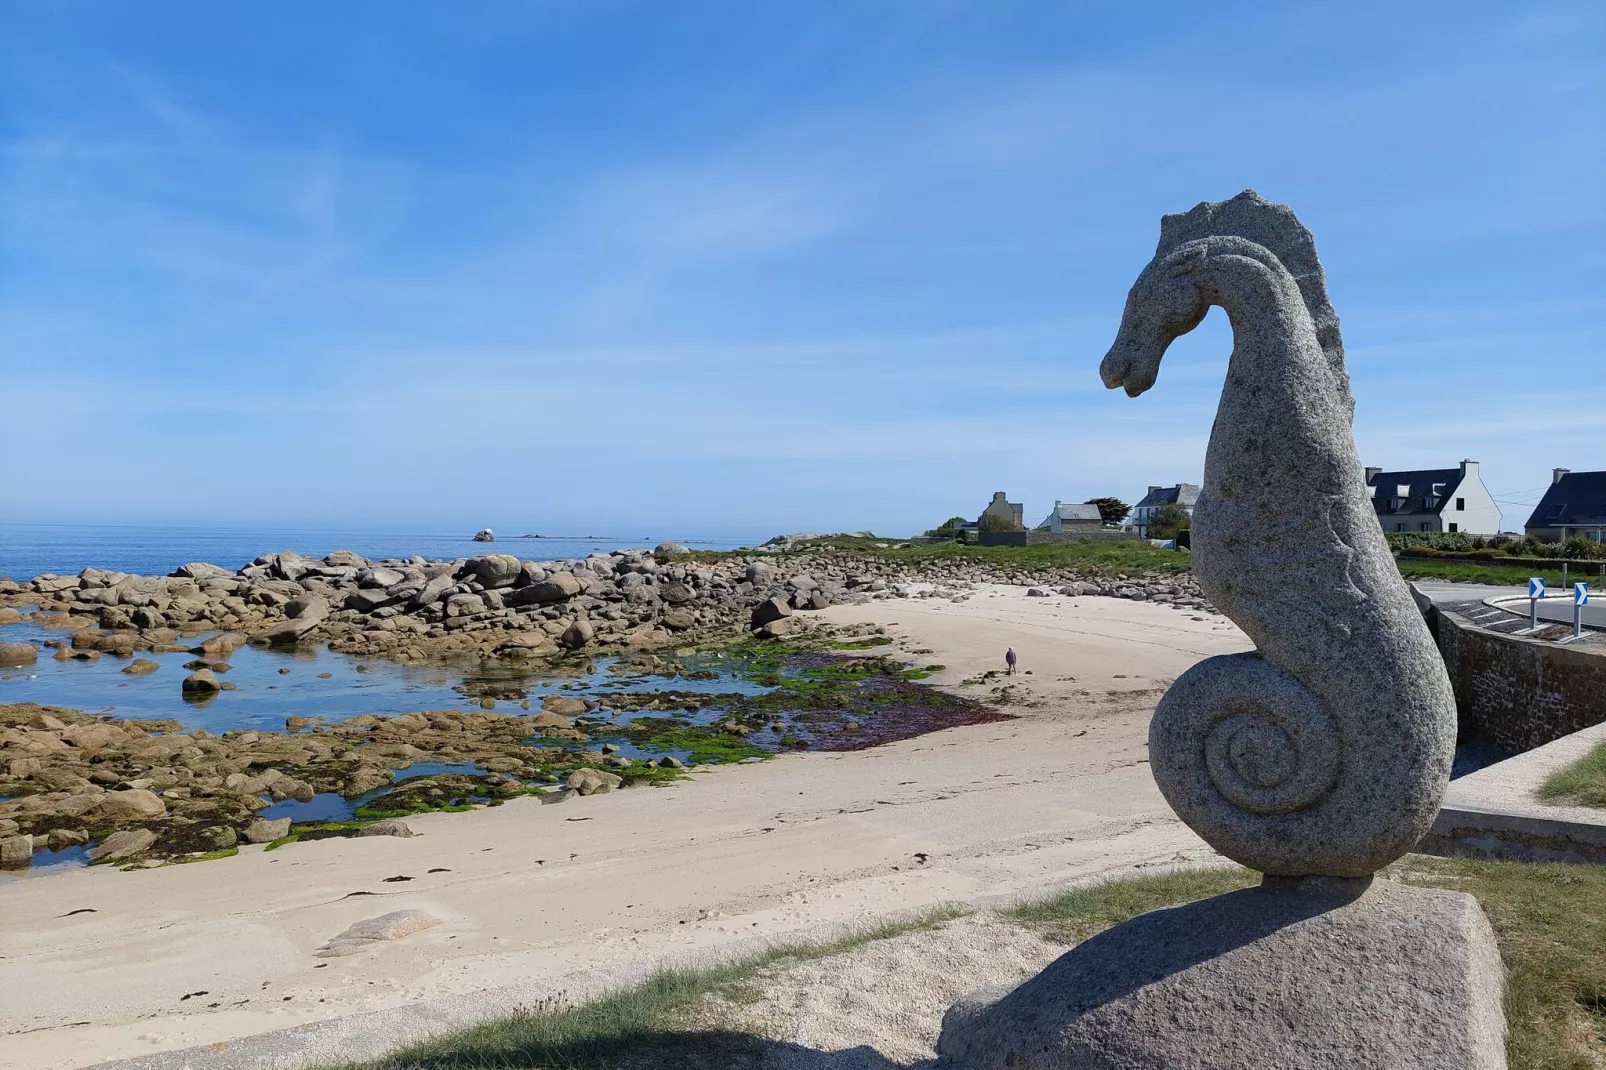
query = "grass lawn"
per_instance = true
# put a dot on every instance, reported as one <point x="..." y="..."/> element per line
<point x="1131" y="557"/>
<point x="1136" y="557"/>
<point x="1550" y="921"/>
<point x="1582" y="783"/>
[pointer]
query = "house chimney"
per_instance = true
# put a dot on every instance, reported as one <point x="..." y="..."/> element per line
<point x="1371" y="474"/>
<point x="1469" y="468"/>
<point x="1153" y="488"/>
<point x="1557" y="473"/>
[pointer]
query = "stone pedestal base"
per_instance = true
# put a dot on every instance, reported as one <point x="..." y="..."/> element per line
<point x="1311" y="972"/>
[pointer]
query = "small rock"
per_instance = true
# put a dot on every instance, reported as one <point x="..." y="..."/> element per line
<point x="134" y="804"/>
<point x="16" y="850"/>
<point x="200" y="682"/>
<point x="61" y="838"/>
<point x="771" y="609"/>
<point x="141" y="667"/>
<point x="370" y="931"/>
<point x="593" y="781"/>
<point x="18" y="653"/>
<point x="124" y="844"/>
<point x="563" y="706"/>
<point x="264" y="831"/>
<point x="391" y="826"/>
<point x="577" y="635"/>
<point x="222" y="836"/>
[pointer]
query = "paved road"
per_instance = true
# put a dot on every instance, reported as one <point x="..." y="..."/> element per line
<point x="1557" y="607"/>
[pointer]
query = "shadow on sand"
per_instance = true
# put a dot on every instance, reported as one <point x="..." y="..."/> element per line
<point x="702" y="1050"/>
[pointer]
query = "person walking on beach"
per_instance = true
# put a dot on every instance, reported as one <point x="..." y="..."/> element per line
<point x="1009" y="659"/>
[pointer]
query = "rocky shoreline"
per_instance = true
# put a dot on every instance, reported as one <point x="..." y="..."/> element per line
<point x="145" y="792"/>
<point x="498" y="606"/>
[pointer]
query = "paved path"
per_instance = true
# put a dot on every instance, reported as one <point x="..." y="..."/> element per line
<point x="1558" y="607"/>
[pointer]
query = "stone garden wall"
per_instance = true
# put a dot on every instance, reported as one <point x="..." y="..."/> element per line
<point x="1034" y="538"/>
<point x="1520" y="693"/>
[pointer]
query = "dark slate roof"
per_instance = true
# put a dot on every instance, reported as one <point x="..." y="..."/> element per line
<point x="1088" y="511"/>
<point x="1421" y="498"/>
<point x="1185" y="494"/>
<point x="1577" y="498"/>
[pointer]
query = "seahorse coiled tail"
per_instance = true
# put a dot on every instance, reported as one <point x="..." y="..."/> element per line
<point x="1325" y="751"/>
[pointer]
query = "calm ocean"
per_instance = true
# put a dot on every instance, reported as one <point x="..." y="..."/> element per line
<point x="26" y="550"/>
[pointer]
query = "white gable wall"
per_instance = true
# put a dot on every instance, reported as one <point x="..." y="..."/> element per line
<point x="1478" y="515"/>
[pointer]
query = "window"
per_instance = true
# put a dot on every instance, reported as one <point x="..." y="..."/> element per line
<point x="1402" y="490"/>
<point x="1460" y="504"/>
<point x="1400" y="527"/>
<point x="1437" y="488"/>
<point x="1454" y="526"/>
<point x="1426" y="526"/>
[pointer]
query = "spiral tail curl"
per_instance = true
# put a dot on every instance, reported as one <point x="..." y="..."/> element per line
<point x="1247" y="756"/>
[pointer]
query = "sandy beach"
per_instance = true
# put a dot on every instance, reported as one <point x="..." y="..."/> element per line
<point x="99" y="964"/>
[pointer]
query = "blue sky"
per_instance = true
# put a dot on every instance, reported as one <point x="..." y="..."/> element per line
<point x="735" y="267"/>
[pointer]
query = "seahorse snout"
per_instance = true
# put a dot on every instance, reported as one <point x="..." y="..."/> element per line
<point x="1130" y="365"/>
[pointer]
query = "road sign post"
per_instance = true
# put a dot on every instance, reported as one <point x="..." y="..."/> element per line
<point x="1536" y="591"/>
<point x="1580" y="600"/>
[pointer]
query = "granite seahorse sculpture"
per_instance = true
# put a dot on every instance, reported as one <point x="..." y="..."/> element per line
<point x="1325" y="751"/>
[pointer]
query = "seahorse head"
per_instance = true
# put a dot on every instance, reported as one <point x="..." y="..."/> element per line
<point x="1165" y="302"/>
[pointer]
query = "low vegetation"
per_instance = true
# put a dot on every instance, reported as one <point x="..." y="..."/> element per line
<point x="1090" y="557"/>
<point x="1576" y="548"/>
<point x="653" y="1020"/>
<point x="1583" y="783"/>
<point x="1550" y="921"/>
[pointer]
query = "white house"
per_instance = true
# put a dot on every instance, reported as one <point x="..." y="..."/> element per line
<point x="1068" y="517"/>
<point x="1434" y="499"/>
<point x="1185" y="495"/>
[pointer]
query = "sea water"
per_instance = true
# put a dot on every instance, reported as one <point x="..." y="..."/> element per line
<point x="28" y="550"/>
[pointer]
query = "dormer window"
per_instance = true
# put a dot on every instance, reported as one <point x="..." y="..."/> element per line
<point x="1438" y="489"/>
<point x="1429" y="502"/>
<point x="1402" y="490"/>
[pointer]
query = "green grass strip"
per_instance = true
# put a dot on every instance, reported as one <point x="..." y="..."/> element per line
<point x="1583" y="783"/>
